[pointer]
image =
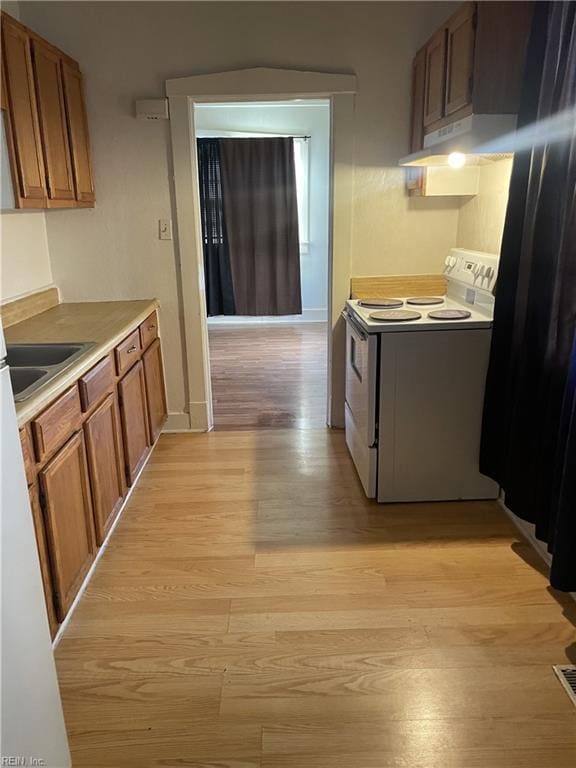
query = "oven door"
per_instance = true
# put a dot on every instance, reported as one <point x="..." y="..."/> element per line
<point x="361" y="375"/>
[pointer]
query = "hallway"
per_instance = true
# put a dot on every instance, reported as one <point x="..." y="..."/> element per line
<point x="255" y="610"/>
<point x="268" y="375"/>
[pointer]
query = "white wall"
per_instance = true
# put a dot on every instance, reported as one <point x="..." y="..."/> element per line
<point x="481" y="219"/>
<point x="127" y="50"/>
<point x="24" y="259"/>
<point x="297" y="119"/>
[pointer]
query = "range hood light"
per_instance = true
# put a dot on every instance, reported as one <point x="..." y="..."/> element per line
<point x="456" y="159"/>
<point x="480" y="138"/>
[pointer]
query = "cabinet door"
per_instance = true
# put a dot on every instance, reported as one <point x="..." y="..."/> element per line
<point x="105" y="464"/>
<point x="435" y="77"/>
<point x="460" y="59"/>
<point x="17" y="62"/>
<point x="27" y="455"/>
<point x="44" y="558"/>
<point x="155" y="393"/>
<point x="68" y="517"/>
<point x="53" y="127"/>
<point x="78" y="133"/>
<point x="418" y="85"/>
<point x="134" y="417"/>
<point x="9" y="185"/>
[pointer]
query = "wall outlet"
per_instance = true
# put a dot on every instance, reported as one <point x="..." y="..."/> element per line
<point x="165" y="229"/>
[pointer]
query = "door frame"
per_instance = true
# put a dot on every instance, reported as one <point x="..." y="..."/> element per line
<point x="259" y="84"/>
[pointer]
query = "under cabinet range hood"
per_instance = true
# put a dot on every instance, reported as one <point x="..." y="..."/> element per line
<point x="478" y="137"/>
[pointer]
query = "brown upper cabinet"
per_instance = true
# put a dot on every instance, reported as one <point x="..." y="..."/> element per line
<point x="435" y="77"/>
<point x="53" y="125"/>
<point x="459" y="58"/>
<point x="418" y="85"/>
<point x="78" y="129"/>
<point x="46" y="117"/>
<point x="472" y="65"/>
<point x="22" y="112"/>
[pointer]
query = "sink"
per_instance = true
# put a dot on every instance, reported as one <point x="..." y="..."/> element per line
<point x="26" y="355"/>
<point x="25" y="381"/>
<point x="33" y="365"/>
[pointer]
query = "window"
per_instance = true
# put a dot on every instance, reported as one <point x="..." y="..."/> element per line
<point x="302" y="169"/>
<point x="302" y="166"/>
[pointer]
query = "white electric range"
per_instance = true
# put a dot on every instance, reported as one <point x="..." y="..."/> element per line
<point x="415" y="376"/>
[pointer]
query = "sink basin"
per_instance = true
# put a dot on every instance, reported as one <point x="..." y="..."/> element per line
<point x="25" y="381"/>
<point x="26" y="355"/>
<point x="33" y="365"/>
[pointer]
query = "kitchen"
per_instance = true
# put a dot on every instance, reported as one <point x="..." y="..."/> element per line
<point x="278" y="552"/>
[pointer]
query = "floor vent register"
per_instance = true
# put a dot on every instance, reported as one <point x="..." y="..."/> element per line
<point x="567" y="676"/>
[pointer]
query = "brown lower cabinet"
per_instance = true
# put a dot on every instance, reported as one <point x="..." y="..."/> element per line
<point x="44" y="557"/>
<point x="68" y="519"/>
<point x="105" y="464"/>
<point x="134" y="418"/>
<point x="155" y="391"/>
<point x="83" y="450"/>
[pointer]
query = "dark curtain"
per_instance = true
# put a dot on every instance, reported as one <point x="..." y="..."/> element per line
<point x="529" y="427"/>
<point x="217" y="271"/>
<point x="259" y="186"/>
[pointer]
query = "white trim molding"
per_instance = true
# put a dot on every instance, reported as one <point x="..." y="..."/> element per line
<point x="263" y="82"/>
<point x="307" y="316"/>
<point x="257" y="84"/>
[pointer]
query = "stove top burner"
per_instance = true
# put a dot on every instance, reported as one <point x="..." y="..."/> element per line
<point x="423" y="300"/>
<point x="449" y="314"/>
<point x="387" y="303"/>
<point x="395" y="315"/>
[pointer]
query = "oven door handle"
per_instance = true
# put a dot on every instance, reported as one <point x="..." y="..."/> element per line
<point x="360" y="331"/>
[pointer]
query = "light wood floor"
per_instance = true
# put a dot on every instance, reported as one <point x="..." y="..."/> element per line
<point x="254" y="610"/>
<point x="268" y="376"/>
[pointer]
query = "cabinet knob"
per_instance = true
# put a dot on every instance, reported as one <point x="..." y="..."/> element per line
<point x="131" y="349"/>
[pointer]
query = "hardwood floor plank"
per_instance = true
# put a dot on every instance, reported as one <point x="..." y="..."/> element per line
<point x="511" y="757"/>
<point x="417" y="737"/>
<point x="411" y="689"/>
<point x="395" y="617"/>
<point x="268" y="376"/>
<point x="204" y="741"/>
<point x="255" y="610"/>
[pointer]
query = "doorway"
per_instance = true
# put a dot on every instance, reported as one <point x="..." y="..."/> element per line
<point x="258" y="84"/>
<point x="268" y="367"/>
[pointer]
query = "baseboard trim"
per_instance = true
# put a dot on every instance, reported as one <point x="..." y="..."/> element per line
<point x="307" y="316"/>
<point x="177" y="421"/>
<point x="200" y="416"/>
<point x="527" y="530"/>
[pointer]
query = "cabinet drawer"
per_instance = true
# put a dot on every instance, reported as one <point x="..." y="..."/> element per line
<point x="149" y="330"/>
<point x="128" y="352"/>
<point x="57" y="423"/>
<point x="27" y="455"/>
<point x="98" y="382"/>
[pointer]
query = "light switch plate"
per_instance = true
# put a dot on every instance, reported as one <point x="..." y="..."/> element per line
<point x="165" y="229"/>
